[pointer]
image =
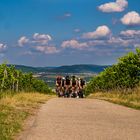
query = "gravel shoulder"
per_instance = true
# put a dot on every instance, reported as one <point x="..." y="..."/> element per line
<point x="83" y="119"/>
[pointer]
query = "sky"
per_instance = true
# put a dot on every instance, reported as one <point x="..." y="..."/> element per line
<point x="66" y="32"/>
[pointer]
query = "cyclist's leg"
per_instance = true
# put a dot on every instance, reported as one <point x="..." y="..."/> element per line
<point x="60" y="91"/>
<point x="73" y="92"/>
<point x="66" y="92"/>
<point x="81" y="92"/>
<point x="57" y="91"/>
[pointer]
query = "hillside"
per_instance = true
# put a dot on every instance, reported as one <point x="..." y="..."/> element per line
<point x="79" y="69"/>
<point x="63" y="69"/>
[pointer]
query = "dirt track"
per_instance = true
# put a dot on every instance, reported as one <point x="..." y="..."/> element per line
<point x="75" y="119"/>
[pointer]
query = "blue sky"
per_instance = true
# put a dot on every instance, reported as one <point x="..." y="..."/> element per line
<point x="60" y="32"/>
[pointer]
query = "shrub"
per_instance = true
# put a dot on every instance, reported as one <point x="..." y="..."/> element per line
<point x="15" y="81"/>
<point x="123" y="75"/>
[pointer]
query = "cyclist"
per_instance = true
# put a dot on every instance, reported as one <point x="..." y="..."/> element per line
<point x="81" y="85"/>
<point x="67" y="86"/>
<point x="58" y="85"/>
<point x="74" y="86"/>
<point x="63" y="86"/>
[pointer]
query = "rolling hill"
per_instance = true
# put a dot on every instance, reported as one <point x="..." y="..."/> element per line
<point x="81" y="68"/>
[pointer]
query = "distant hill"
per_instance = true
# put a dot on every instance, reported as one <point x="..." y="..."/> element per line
<point x="64" y="69"/>
<point x="79" y="69"/>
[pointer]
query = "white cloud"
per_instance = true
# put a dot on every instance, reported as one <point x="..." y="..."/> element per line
<point x="112" y="41"/>
<point x="39" y="43"/>
<point x="42" y="44"/>
<point x="131" y="18"/>
<point x="38" y="36"/>
<point x="22" y="41"/>
<point x="47" y="49"/>
<point x="118" y="41"/>
<point x="74" y="44"/>
<point x="130" y="33"/>
<point x="3" y="46"/>
<point x="41" y="38"/>
<point x="94" y="40"/>
<point x="115" y="42"/>
<point x="117" y="6"/>
<point x="101" y="32"/>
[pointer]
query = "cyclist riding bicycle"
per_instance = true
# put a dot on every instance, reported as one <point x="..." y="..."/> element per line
<point x="63" y="85"/>
<point x="67" y="86"/>
<point x="58" y="85"/>
<point x="74" y="87"/>
<point x="81" y="85"/>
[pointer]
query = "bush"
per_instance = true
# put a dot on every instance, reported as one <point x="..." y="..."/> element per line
<point x="15" y="81"/>
<point x="123" y="75"/>
<point x="40" y="86"/>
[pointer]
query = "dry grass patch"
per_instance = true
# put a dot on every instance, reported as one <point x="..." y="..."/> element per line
<point x="15" y="109"/>
<point x="128" y="99"/>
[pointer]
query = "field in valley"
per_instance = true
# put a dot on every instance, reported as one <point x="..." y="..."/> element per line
<point x="51" y="77"/>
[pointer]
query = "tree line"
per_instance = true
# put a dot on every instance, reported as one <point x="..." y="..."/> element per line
<point x="123" y="75"/>
<point x="14" y="80"/>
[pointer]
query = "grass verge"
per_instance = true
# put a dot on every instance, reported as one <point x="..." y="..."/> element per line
<point x="130" y="100"/>
<point x="15" y="109"/>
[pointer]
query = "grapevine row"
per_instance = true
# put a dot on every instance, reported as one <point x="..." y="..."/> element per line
<point x="15" y="80"/>
<point x="123" y="75"/>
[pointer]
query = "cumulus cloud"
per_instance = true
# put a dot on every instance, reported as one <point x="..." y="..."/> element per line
<point x="131" y="37"/>
<point x="130" y="33"/>
<point x="22" y="41"/>
<point x="41" y="38"/>
<point x="2" y="47"/>
<point x="74" y="44"/>
<point x="47" y="49"/>
<point x="101" y="32"/>
<point x="128" y="38"/>
<point x="118" y="41"/>
<point x="131" y="18"/>
<point x="39" y="43"/>
<point x="117" y="6"/>
<point x="115" y="41"/>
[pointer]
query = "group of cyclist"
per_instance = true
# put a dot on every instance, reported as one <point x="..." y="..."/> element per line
<point x="70" y="87"/>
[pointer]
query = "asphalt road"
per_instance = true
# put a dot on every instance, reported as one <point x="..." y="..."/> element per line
<point x="83" y="119"/>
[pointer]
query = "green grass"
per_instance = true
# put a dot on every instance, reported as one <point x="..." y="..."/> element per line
<point x="131" y="100"/>
<point x="15" y="109"/>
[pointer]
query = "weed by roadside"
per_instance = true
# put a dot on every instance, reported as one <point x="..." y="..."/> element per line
<point x="15" y="109"/>
<point x="128" y="99"/>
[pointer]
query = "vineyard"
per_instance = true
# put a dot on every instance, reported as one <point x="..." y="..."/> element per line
<point x="13" y="80"/>
<point x="121" y="76"/>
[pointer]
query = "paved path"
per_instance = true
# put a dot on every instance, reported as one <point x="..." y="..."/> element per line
<point x="84" y="119"/>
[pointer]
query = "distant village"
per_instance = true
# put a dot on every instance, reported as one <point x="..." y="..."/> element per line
<point x="50" y="77"/>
